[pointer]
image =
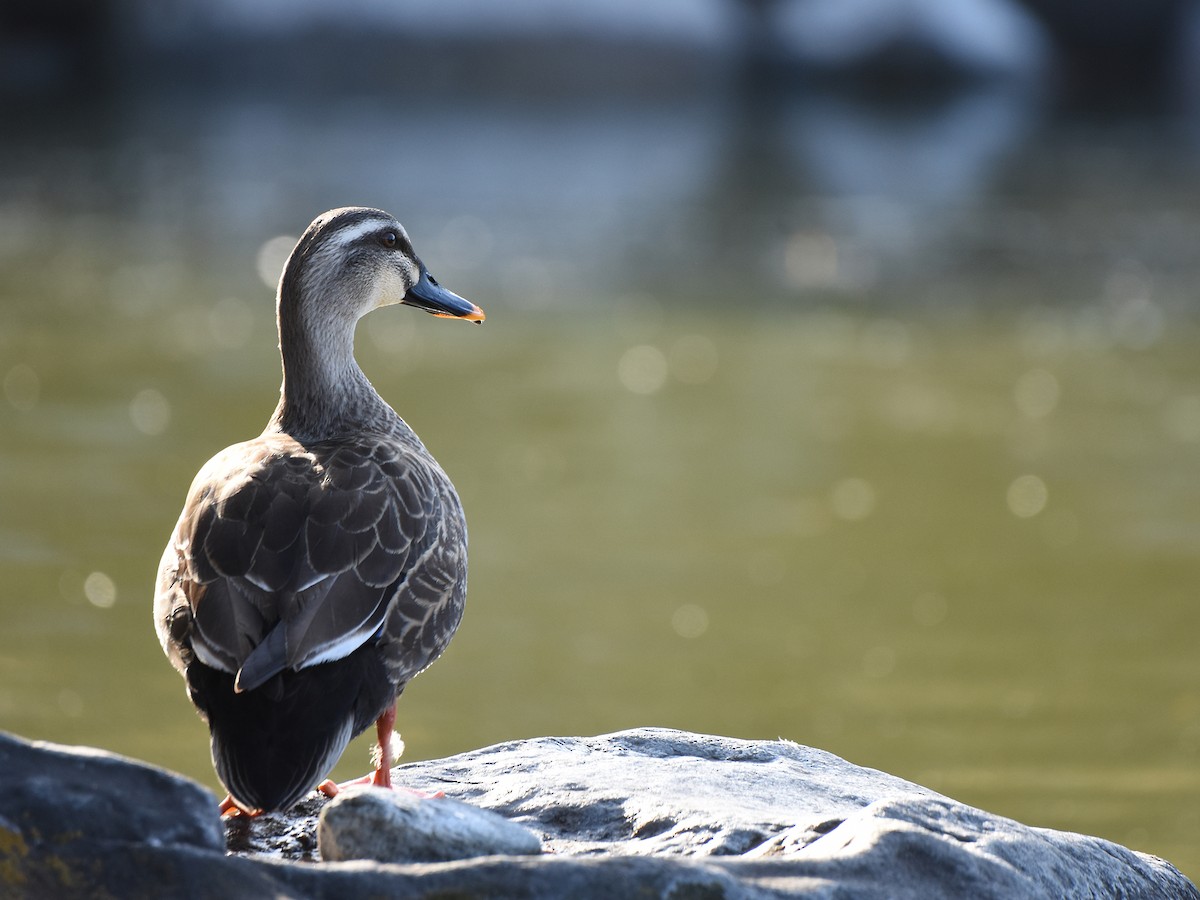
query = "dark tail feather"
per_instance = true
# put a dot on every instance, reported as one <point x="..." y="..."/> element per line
<point x="273" y="745"/>
<point x="267" y="774"/>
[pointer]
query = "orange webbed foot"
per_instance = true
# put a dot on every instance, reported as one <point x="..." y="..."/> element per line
<point x="230" y="810"/>
<point x="330" y="789"/>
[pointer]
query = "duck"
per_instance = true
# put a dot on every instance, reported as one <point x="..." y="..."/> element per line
<point x="317" y="568"/>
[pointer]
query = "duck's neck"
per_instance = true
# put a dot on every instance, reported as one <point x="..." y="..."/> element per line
<point x="324" y="392"/>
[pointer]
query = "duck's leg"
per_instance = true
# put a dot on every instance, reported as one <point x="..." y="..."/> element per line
<point x="385" y="730"/>
<point x="384" y="755"/>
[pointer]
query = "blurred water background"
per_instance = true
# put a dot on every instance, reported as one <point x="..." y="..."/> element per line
<point x="840" y="381"/>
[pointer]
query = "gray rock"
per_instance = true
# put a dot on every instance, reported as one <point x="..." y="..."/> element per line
<point x="649" y="813"/>
<point x="758" y="819"/>
<point x="655" y="791"/>
<point x="67" y="813"/>
<point x="363" y="822"/>
<point x="57" y="794"/>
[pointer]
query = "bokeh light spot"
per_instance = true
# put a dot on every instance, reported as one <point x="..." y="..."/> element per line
<point x="642" y="369"/>
<point x="929" y="609"/>
<point x="22" y="387"/>
<point x="271" y="257"/>
<point x="853" y="499"/>
<point x="1036" y="393"/>
<point x="1182" y="417"/>
<point x="100" y="590"/>
<point x="1027" y="496"/>
<point x="689" y="621"/>
<point x="150" y="411"/>
<point x="811" y="260"/>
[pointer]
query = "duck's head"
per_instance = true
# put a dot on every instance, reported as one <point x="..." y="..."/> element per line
<point x="356" y="259"/>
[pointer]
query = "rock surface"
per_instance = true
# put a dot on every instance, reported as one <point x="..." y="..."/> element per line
<point x="63" y="810"/>
<point x="650" y="812"/>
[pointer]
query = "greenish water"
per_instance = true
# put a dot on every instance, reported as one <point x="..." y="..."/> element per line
<point x="742" y="451"/>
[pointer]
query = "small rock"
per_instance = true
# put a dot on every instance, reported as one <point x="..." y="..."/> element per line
<point x="398" y="826"/>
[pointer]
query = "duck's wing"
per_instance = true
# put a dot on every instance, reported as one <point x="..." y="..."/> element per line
<point x="289" y="556"/>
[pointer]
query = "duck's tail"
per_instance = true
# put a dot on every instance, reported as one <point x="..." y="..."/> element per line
<point x="274" y="744"/>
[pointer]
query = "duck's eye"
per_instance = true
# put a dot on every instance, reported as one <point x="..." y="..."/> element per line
<point x="389" y="239"/>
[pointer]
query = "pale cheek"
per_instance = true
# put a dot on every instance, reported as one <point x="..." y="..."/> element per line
<point x="393" y="285"/>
